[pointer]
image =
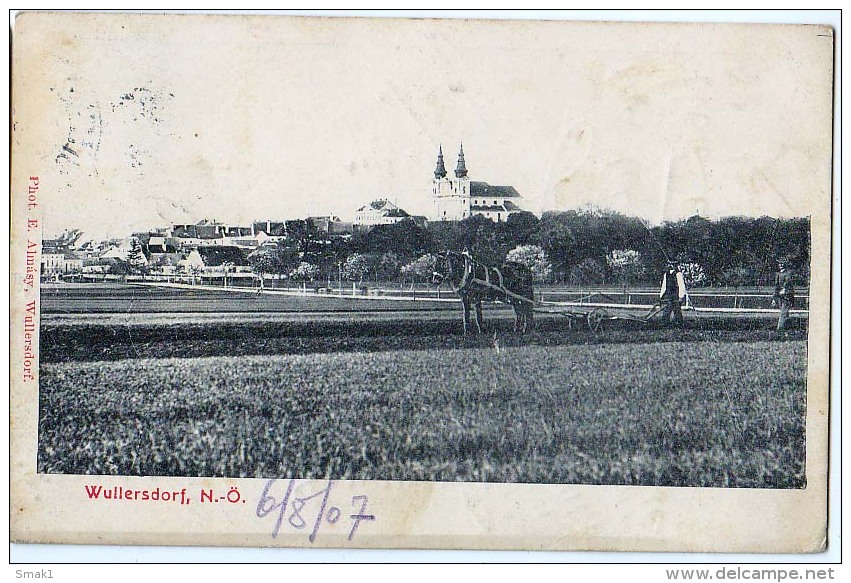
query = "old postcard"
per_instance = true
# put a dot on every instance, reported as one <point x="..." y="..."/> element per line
<point x="420" y="283"/>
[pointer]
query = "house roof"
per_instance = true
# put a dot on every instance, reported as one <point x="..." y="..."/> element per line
<point x="113" y="253"/>
<point x="485" y="189"/>
<point x="387" y="208"/>
<point x="198" y="231"/>
<point x="238" y="231"/>
<point x="163" y="244"/>
<point x="381" y="204"/>
<point x="274" y="229"/>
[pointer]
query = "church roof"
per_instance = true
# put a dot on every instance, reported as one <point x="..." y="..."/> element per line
<point x="485" y="189"/>
<point x="461" y="168"/>
<point x="440" y="169"/>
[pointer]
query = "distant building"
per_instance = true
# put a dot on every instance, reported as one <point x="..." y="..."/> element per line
<point x="52" y="261"/>
<point x="456" y="198"/>
<point x="202" y="233"/>
<point x="59" y="256"/>
<point x="216" y="262"/>
<point x="60" y="261"/>
<point x="331" y="225"/>
<point x="158" y="245"/>
<point x="211" y="233"/>
<point x="273" y="230"/>
<point x="494" y="202"/>
<point x="379" y="212"/>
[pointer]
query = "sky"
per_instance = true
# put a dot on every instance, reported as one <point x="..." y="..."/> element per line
<point x="141" y="121"/>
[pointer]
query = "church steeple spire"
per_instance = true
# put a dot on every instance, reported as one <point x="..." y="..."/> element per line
<point x="440" y="170"/>
<point x="461" y="168"/>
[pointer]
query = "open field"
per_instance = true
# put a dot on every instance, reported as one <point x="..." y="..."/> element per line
<point x="374" y="389"/>
<point x="641" y="414"/>
<point x="114" y="340"/>
<point x="141" y="299"/>
<point x="135" y="299"/>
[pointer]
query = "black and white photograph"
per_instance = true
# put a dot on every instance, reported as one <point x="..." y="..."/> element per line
<point x="277" y="250"/>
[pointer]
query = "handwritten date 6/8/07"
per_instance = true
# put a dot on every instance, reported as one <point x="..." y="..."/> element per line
<point x="301" y="510"/>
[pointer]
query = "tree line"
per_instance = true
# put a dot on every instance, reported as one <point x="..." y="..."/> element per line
<point x="579" y="247"/>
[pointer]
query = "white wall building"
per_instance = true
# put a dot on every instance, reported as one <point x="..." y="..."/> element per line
<point x="379" y="212"/>
<point x="457" y="198"/>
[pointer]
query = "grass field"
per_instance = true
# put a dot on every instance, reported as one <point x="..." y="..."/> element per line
<point x="639" y="414"/>
<point x="394" y="394"/>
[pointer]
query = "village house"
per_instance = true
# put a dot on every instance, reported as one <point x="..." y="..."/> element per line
<point x="56" y="262"/>
<point x="379" y="212"/>
<point x="217" y="263"/>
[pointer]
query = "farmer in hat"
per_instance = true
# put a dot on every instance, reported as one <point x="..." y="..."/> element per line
<point x="784" y="292"/>
<point x="672" y="295"/>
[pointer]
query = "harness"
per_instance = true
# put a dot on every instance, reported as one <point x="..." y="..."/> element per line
<point x="469" y="279"/>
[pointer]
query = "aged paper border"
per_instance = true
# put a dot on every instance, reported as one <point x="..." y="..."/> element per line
<point x="449" y="515"/>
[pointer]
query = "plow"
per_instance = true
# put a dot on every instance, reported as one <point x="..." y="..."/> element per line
<point x="595" y="317"/>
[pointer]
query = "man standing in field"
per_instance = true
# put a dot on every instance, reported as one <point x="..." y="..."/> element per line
<point x="672" y="295"/>
<point x="784" y="292"/>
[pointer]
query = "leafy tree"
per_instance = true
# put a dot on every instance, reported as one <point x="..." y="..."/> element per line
<point x="262" y="262"/>
<point x="305" y="272"/>
<point x="625" y="263"/>
<point x="487" y="241"/>
<point x="118" y="267"/>
<point x="136" y="260"/>
<point x="589" y="271"/>
<point x="390" y="265"/>
<point x="303" y="236"/>
<point x="227" y="267"/>
<point x="356" y="267"/>
<point x="521" y="226"/>
<point x="334" y="254"/>
<point x="555" y="235"/>
<point x="278" y="259"/>
<point x="195" y="271"/>
<point x="382" y="266"/>
<point x="693" y="273"/>
<point x="420" y="269"/>
<point x="404" y="238"/>
<point x="534" y="258"/>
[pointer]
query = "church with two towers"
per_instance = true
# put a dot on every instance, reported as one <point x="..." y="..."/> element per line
<point x="456" y="198"/>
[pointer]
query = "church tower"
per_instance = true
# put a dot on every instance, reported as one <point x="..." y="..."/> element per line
<point x="451" y="195"/>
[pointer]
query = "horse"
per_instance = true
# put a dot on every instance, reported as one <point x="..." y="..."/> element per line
<point x="475" y="282"/>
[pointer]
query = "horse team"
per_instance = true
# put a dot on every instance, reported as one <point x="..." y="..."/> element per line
<point x="475" y="282"/>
